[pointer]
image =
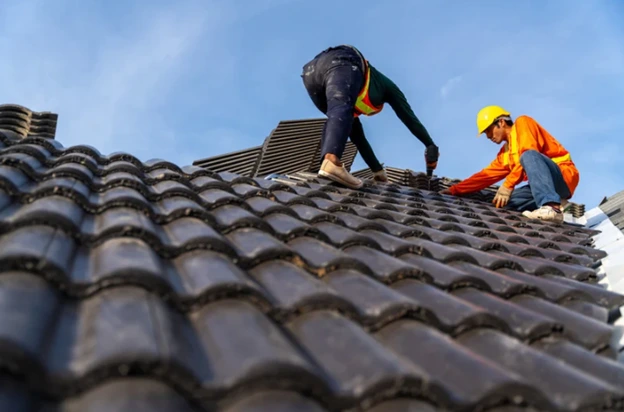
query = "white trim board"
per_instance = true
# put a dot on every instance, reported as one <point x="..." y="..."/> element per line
<point x="610" y="240"/>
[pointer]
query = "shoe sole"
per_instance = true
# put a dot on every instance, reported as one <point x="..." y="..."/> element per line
<point x="544" y="220"/>
<point x="338" y="180"/>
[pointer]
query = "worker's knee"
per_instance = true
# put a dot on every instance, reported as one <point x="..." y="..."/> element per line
<point x="342" y="110"/>
<point x="529" y="155"/>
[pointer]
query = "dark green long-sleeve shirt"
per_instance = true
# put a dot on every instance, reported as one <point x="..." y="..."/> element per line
<point x="384" y="90"/>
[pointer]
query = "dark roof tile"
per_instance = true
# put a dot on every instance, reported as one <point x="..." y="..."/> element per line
<point x="254" y="246"/>
<point x="597" y="366"/>
<point x="355" y="222"/>
<point x="376" y="304"/>
<point x="331" y="339"/>
<point x="287" y="227"/>
<point x="187" y="278"/>
<point x="245" y="190"/>
<point x="442" y="275"/>
<point x="589" y="309"/>
<point x="497" y="283"/>
<point x="566" y="387"/>
<point x="524" y="324"/>
<point x="263" y="206"/>
<point x="231" y="217"/>
<point x="301" y="294"/>
<point x="455" y="385"/>
<point x="403" y="405"/>
<point x="131" y="395"/>
<point x="311" y="214"/>
<point x="322" y="258"/>
<point x="215" y="291"/>
<point x="582" y="330"/>
<point x="343" y="237"/>
<point x="451" y="314"/>
<point x="395" y="246"/>
<point x="385" y="267"/>
<point x="274" y="401"/>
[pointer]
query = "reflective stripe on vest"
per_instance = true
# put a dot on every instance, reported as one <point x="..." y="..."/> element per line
<point x="363" y="104"/>
<point x="513" y="146"/>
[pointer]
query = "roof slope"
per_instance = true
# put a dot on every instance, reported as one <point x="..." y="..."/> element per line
<point x="134" y="286"/>
<point x="293" y="146"/>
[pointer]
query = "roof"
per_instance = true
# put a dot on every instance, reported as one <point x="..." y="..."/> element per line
<point x="134" y="286"/>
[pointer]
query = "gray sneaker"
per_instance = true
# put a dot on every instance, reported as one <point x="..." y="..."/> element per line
<point x="339" y="175"/>
<point x="546" y="213"/>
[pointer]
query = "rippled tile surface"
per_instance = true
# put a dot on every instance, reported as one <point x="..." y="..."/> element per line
<point x="134" y="286"/>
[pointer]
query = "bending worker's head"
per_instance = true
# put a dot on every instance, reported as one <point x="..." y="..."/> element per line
<point x="495" y="122"/>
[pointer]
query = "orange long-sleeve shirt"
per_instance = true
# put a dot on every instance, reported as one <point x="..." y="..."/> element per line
<point x="526" y="134"/>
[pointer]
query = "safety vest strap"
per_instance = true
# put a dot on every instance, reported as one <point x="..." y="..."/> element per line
<point x="512" y="150"/>
<point x="363" y="104"/>
<point x="561" y="159"/>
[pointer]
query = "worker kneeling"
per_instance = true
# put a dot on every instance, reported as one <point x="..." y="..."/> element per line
<point x="530" y="154"/>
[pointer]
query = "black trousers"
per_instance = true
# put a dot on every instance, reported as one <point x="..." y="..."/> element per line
<point x="333" y="80"/>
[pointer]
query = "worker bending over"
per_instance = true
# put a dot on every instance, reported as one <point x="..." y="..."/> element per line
<point x="529" y="153"/>
<point x="343" y="85"/>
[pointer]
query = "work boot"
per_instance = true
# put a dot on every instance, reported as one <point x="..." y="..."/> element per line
<point x="380" y="176"/>
<point x="339" y="174"/>
<point x="546" y="213"/>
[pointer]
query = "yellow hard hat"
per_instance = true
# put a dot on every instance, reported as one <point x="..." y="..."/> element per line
<point x="487" y="115"/>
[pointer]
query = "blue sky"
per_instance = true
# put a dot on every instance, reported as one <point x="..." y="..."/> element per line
<point x="190" y="79"/>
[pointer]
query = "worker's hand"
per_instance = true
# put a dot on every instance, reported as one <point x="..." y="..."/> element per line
<point x="502" y="196"/>
<point x="445" y="192"/>
<point x="431" y="156"/>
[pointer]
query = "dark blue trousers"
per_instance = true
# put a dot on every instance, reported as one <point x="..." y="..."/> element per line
<point x="333" y="80"/>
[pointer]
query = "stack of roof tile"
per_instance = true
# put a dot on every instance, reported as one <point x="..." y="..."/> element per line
<point x="24" y="122"/>
<point x="293" y="146"/>
<point x="133" y="286"/>
<point x="242" y="162"/>
<point x="575" y="209"/>
<point x="419" y="180"/>
<point x="403" y="177"/>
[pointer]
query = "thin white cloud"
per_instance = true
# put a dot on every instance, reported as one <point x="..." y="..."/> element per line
<point x="450" y="85"/>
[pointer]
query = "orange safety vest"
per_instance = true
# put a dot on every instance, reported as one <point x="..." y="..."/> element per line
<point x="363" y="104"/>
